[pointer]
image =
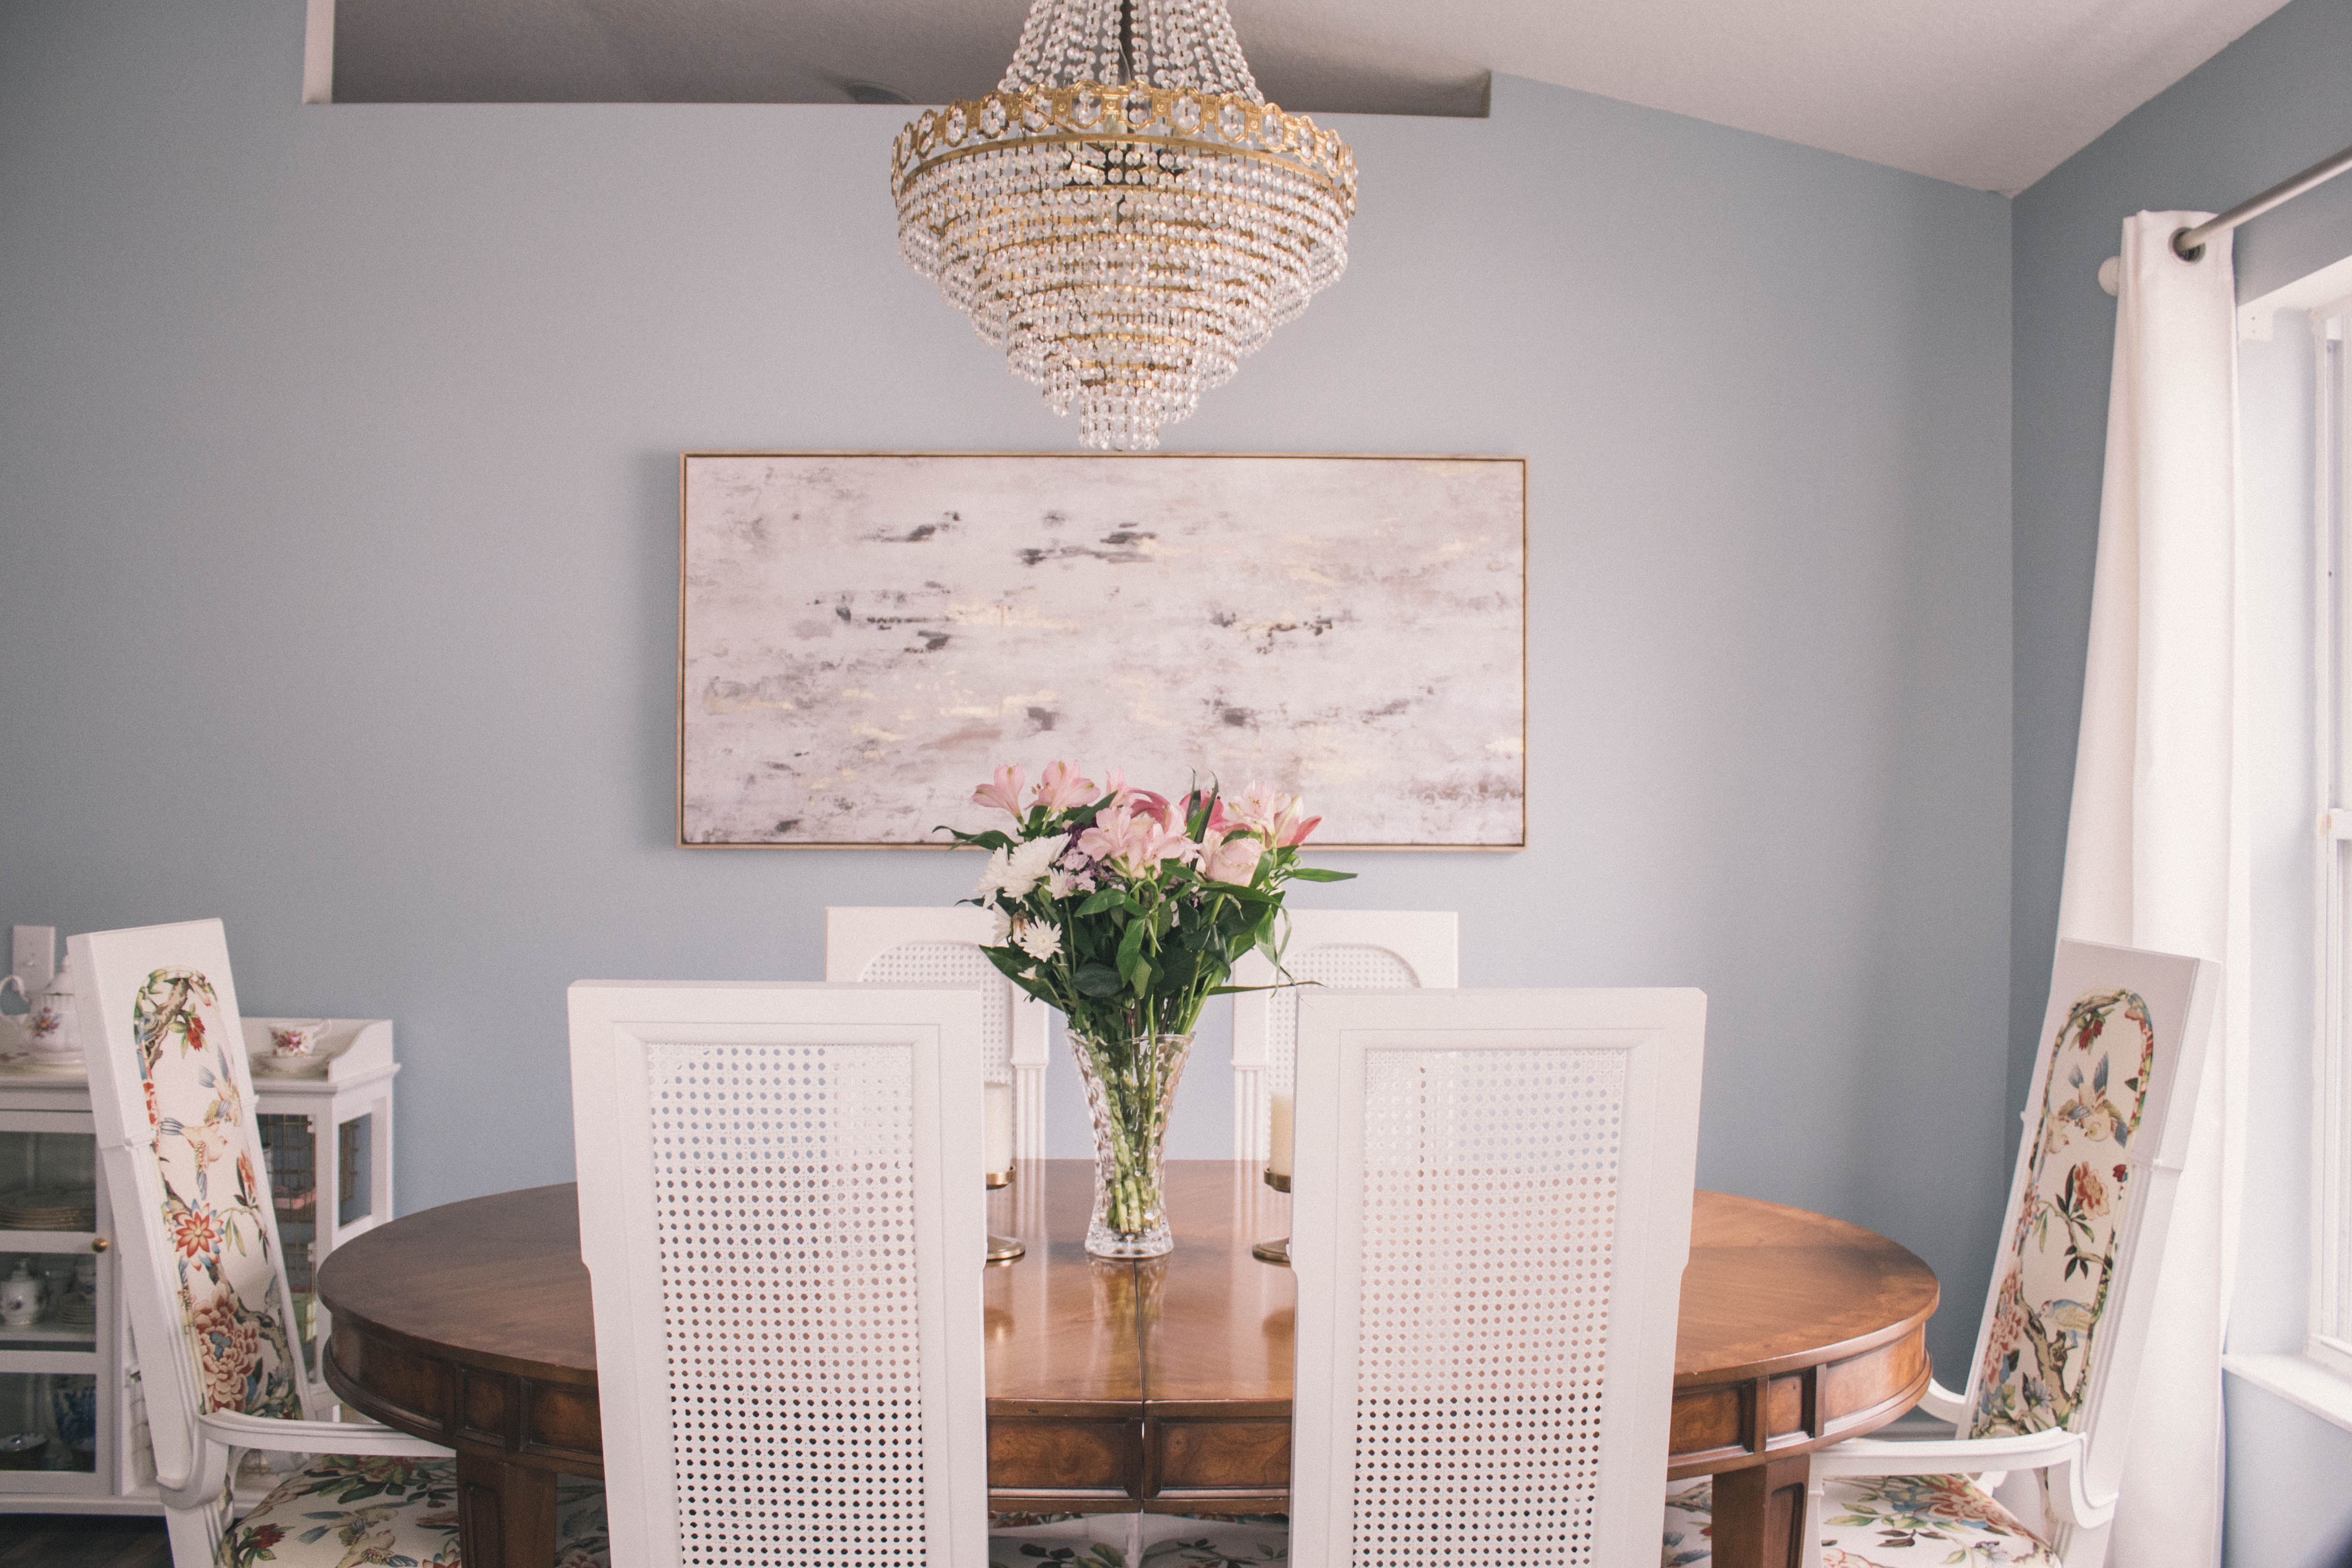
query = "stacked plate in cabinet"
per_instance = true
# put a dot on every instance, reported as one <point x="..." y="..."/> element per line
<point x="49" y="1208"/>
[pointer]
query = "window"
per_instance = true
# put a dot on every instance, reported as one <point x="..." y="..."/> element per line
<point x="2330" y="1340"/>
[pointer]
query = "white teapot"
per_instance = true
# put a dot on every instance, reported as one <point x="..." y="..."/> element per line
<point x="20" y="1298"/>
<point x="49" y="1024"/>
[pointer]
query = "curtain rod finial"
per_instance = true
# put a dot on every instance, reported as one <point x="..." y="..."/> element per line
<point x="2111" y="275"/>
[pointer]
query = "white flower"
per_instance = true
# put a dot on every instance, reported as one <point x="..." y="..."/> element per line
<point x="993" y="875"/>
<point x="1061" y="882"/>
<point x="1038" y="940"/>
<point x="1000" y="930"/>
<point x="1028" y="865"/>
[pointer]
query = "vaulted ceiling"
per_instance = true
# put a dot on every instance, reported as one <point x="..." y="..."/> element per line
<point x="1991" y="94"/>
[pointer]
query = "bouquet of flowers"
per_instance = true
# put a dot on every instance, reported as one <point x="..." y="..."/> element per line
<point x="1127" y="910"/>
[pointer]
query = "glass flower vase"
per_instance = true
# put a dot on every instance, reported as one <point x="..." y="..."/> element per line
<point x="1130" y="1087"/>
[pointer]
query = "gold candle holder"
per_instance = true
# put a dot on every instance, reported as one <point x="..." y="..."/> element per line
<point x="1277" y="1251"/>
<point x="1002" y="1248"/>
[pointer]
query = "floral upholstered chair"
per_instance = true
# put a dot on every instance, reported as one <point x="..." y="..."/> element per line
<point x="2030" y="1478"/>
<point x="211" y="1317"/>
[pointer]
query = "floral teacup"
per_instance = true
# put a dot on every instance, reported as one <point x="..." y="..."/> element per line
<point x="299" y="1038"/>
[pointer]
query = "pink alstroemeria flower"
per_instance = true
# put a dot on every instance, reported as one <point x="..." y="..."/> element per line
<point x="1233" y="860"/>
<point x="1136" y="843"/>
<point x="1060" y="788"/>
<point x="1004" y="794"/>
<point x="1268" y="813"/>
<point x="1148" y="802"/>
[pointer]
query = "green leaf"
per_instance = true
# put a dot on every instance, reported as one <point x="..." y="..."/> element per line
<point x="1318" y="873"/>
<point x="1107" y="898"/>
<point x="1130" y="947"/>
<point x="1096" y="980"/>
<point x="1010" y="961"/>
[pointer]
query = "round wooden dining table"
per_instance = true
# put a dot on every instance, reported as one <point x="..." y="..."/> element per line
<point x="1161" y="1385"/>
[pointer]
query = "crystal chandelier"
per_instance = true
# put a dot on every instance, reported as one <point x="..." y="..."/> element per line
<point x="1125" y="216"/>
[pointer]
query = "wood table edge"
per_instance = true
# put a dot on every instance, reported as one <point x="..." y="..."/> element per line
<point x="1819" y="1356"/>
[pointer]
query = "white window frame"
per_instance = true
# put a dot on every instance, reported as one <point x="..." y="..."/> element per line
<point x="2328" y="1340"/>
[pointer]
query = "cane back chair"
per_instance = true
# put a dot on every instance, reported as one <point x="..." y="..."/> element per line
<point x="782" y="1212"/>
<point x="1491" y="1212"/>
<point x="885" y="945"/>
<point x="1358" y="950"/>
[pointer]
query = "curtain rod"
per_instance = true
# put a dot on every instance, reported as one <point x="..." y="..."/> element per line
<point x="2189" y="244"/>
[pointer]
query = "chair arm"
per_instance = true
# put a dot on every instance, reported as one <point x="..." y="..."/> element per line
<point x="1966" y="1456"/>
<point x="284" y="1435"/>
<point x="1942" y="1404"/>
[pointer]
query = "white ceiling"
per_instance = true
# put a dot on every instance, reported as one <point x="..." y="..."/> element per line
<point x="1991" y="94"/>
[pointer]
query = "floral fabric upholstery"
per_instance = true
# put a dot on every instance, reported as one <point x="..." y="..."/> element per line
<point x="391" y="1513"/>
<point x="214" y="1201"/>
<point x="1164" y="1540"/>
<point x="1881" y="1522"/>
<point x="2061" y="1254"/>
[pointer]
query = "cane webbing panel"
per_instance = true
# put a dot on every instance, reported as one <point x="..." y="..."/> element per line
<point x="784" y="1199"/>
<point x="957" y="963"/>
<point x="1343" y="966"/>
<point x="1490" y="1227"/>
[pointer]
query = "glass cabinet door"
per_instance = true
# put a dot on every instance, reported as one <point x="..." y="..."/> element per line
<point x="48" y="1429"/>
<point x="290" y="1147"/>
<point x="55" y="1319"/>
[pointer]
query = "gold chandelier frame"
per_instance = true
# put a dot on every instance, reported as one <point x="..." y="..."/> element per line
<point x="1214" y="124"/>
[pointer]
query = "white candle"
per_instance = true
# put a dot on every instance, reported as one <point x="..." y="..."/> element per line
<point x="1278" y="1160"/>
<point x="1000" y="1128"/>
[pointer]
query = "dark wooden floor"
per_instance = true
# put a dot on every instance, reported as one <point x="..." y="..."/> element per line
<point x="56" y="1540"/>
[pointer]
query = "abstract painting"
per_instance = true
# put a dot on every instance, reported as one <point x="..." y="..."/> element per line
<point x="862" y="639"/>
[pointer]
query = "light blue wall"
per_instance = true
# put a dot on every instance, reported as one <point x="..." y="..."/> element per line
<point x="336" y="467"/>
<point x="2276" y="100"/>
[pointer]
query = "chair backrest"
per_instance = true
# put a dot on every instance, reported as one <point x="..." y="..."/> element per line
<point x="928" y="946"/>
<point x="1491" y="1207"/>
<point x="1352" y="950"/>
<point x="2107" y="1117"/>
<point x="171" y="1099"/>
<point x="782" y="1211"/>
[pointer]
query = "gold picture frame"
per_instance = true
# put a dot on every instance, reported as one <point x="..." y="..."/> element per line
<point x="744" y="717"/>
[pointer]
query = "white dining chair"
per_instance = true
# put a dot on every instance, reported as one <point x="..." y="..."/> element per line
<point x="782" y="1212"/>
<point x="924" y="945"/>
<point x="204" y="1277"/>
<point x="2030" y="1477"/>
<point x="1361" y="949"/>
<point x="1491" y="1212"/>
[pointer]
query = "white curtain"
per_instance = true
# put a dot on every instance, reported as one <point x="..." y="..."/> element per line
<point x="2156" y="847"/>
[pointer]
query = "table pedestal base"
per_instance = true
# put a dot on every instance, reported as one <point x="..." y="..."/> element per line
<point x="1760" y="1516"/>
<point x="506" y="1513"/>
